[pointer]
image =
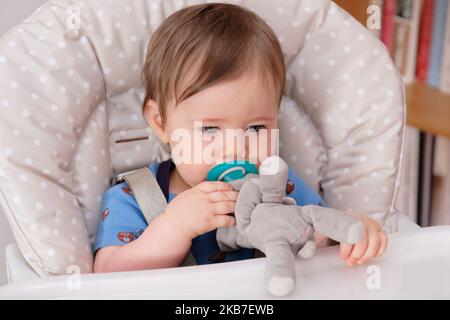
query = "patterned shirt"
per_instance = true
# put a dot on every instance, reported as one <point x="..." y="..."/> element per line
<point x="122" y="221"/>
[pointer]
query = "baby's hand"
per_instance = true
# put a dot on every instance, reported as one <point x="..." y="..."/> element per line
<point x="373" y="244"/>
<point x="202" y="208"/>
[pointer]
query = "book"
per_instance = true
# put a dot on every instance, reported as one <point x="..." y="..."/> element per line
<point x="423" y="55"/>
<point x="444" y="84"/>
<point x="406" y="34"/>
<point x="387" y="29"/>
<point x="408" y="192"/>
<point x="437" y="43"/>
<point x="426" y="152"/>
<point x="440" y="205"/>
<point x="379" y="5"/>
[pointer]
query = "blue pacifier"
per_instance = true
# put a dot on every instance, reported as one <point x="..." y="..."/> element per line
<point x="231" y="170"/>
<point x="228" y="171"/>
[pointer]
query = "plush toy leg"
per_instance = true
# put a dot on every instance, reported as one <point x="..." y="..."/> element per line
<point x="227" y="238"/>
<point x="280" y="269"/>
<point x="308" y="250"/>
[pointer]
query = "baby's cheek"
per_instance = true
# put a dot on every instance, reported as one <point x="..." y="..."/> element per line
<point x="193" y="174"/>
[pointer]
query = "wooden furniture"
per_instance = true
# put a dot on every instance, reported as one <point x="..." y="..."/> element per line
<point x="428" y="109"/>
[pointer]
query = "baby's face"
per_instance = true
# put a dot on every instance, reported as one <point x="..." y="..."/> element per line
<point x="239" y="108"/>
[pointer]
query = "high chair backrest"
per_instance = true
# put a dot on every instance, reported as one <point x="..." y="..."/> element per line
<point x="70" y="115"/>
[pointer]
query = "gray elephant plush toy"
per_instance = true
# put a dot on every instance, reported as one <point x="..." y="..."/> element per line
<point x="271" y="222"/>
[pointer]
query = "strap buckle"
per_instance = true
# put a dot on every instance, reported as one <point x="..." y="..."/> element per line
<point x="119" y="177"/>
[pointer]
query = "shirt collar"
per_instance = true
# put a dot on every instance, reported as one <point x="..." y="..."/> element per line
<point x="163" y="176"/>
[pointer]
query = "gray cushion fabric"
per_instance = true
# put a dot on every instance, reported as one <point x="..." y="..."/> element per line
<point x="70" y="115"/>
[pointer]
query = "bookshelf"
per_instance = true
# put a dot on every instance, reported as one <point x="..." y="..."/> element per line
<point x="428" y="109"/>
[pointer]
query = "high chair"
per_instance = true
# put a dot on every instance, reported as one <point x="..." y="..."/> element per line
<point x="71" y="123"/>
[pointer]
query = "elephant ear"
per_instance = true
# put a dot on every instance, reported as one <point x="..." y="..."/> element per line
<point x="257" y="181"/>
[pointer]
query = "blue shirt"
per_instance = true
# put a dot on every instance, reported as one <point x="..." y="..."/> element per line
<point x="122" y="221"/>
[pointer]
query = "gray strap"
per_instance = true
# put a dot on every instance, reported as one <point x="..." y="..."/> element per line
<point x="147" y="192"/>
<point x="150" y="199"/>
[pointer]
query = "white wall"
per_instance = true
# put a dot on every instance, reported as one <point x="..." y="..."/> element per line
<point x="12" y="12"/>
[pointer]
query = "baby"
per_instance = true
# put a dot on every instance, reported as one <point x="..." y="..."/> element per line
<point x="209" y="68"/>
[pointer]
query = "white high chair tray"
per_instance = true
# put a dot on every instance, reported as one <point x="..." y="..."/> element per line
<point x="415" y="266"/>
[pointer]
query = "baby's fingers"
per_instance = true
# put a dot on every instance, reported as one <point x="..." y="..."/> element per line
<point x="384" y="241"/>
<point x="372" y="247"/>
<point x="358" y="251"/>
<point x="211" y="186"/>
<point x="222" y="196"/>
<point x="223" y="207"/>
<point x="345" y="250"/>
<point x="224" y="221"/>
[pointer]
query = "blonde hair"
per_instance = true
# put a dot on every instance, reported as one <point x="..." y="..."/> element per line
<point x="223" y="40"/>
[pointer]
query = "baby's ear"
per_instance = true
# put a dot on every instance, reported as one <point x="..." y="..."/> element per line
<point x="154" y="118"/>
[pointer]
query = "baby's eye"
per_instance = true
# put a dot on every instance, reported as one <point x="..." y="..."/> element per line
<point x="256" y="128"/>
<point x="210" y="129"/>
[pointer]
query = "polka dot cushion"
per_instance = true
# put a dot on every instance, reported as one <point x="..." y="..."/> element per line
<point x="70" y="118"/>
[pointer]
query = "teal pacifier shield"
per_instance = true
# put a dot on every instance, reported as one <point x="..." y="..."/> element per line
<point x="231" y="170"/>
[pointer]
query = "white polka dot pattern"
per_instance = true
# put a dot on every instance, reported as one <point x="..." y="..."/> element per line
<point x="68" y="95"/>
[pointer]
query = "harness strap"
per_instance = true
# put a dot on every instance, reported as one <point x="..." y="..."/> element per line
<point x="150" y="199"/>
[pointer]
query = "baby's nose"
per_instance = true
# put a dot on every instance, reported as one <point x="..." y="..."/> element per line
<point x="235" y="151"/>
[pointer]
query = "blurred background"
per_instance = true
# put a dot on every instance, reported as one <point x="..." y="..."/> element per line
<point x="417" y="34"/>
